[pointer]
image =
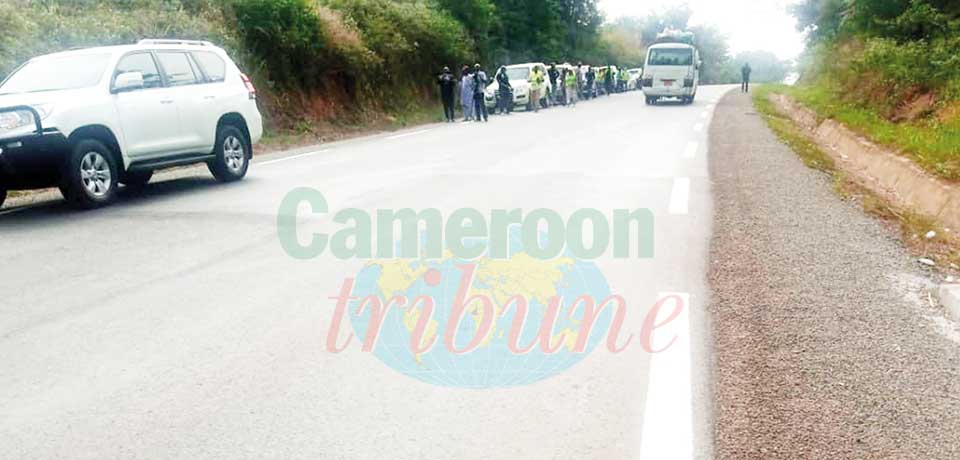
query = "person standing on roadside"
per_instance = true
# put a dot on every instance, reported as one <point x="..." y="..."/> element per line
<point x="608" y="81"/>
<point x="745" y="73"/>
<point x="505" y="101"/>
<point x="479" y="87"/>
<point x="537" y="81"/>
<point x="448" y="87"/>
<point x="466" y="93"/>
<point x="591" y="79"/>
<point x="570" y="81"/>
<point x="554" y="75"/>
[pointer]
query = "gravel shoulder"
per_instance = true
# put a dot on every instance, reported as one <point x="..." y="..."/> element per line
<point x="825" y="344"/>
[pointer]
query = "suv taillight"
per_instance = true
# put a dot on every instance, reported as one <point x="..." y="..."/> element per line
<point x="648" y="83"/>
<point x="688" y="83"/>
<point x="249" y="85"/>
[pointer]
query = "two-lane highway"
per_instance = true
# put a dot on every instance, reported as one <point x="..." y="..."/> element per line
<point x="173" y="324"/>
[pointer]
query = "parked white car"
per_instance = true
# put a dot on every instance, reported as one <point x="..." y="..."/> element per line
<point x="672" y="70"/>
<point x="87" y="120"/>
<point x="519" y="75"/>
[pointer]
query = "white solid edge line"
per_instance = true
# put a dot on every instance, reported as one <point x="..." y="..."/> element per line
<point x="668" y="410"/>
<point x="399" y="136"/>
<point x="292" y="157"/>
<point x="698" y="127"/>
<point x="680" y="196"/>
<point x="691" y="150"/>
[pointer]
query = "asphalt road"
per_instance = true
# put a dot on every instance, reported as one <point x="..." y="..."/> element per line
<point x="173" y="325"/>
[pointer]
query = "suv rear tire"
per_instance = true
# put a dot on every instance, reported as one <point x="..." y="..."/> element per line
<point x="90" y="177"/>
<point x="232" y="155"/>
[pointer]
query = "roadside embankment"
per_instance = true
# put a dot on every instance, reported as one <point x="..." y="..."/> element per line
<point x="882" y="170"/>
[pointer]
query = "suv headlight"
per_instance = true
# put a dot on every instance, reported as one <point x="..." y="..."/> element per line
<point x="15" y="119"/>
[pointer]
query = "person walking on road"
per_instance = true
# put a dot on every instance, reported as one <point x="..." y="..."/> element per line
<point x="466" y="94"/>
<point x="505" y="101"/>
<point x="479" y="87"/>
<point x="448" y="88"/>
<point x="745" y="73"/>
<point x="537" y="82"/>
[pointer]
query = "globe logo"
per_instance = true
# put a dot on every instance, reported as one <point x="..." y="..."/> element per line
<point x="493" y="363"/>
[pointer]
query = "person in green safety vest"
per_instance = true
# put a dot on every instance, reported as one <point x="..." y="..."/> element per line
<point x="536" y="87"/>
<point x="624" y="80"/>
<point x="570" y="81"/>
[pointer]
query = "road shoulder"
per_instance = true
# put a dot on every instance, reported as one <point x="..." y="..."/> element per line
<point x="825" y="345"/>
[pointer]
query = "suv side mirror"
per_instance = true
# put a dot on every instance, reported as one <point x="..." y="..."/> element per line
<point x="128" y="81"/>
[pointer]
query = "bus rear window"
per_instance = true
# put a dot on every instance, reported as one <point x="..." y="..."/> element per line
<point x="671" y="56"/>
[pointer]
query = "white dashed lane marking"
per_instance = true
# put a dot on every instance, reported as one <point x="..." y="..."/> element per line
<point x="691" y="150"/>
<point x="680" y="196"/>
<point x="668" y="412"/>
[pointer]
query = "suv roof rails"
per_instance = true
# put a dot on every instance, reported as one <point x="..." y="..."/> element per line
<point x="173" y="41"/>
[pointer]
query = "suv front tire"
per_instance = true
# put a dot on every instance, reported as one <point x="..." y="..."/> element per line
<point x="90" y="177"/>
<point x="232" y="155"/>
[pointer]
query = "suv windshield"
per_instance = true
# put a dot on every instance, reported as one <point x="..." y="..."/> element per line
<point x="56" y="73"/>
<point x="671" y="56"/>
<point x="518" y="73"/>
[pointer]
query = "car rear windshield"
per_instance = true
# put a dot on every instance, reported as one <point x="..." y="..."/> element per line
<point x="670" y="56"/>
<point x="519" y="73"/>
<point x="56" y="73"/>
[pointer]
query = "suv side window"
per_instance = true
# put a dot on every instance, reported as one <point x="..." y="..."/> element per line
<point x="212" y="65"/>
<point x="176" y="66"/>
<point x="143" y="63"/>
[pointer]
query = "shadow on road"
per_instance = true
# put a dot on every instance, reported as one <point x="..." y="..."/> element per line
<point x="53" y="209"/>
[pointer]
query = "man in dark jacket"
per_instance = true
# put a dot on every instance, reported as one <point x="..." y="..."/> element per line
<point x="448" y="87"/>
<point x="479" y="86"/>
<point x="591" y="79"/>
<point x="745" y="73"/>
<point x="554" y="74"/>
<point x="505" y="100"/>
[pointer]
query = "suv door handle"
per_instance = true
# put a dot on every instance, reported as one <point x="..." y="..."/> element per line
<point x="209" y="98"/>
<point x="167" y="101"/>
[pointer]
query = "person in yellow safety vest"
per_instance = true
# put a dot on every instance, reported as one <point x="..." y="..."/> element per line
<point x="536" y="87"/>
<point x="624" y="80"/>
<point x="570" y="79"/>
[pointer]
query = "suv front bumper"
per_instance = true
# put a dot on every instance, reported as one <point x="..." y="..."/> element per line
<point x="32" y="161"/>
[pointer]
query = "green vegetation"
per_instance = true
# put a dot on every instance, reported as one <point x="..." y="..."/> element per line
<point x="789" y="133"/>
<point x="910" y="224"/>
<point x="890" y="70"/>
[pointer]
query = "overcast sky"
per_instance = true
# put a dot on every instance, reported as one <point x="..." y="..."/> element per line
<point x="750" y="24"/>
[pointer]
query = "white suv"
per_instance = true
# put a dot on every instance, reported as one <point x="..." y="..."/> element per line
<point x="86" y="120"/>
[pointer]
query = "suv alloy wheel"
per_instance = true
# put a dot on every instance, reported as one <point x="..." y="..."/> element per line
<point x="90" y="178"/>
<point x="232" y="155"/>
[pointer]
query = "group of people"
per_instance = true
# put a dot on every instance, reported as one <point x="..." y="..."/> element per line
<point x="567" y="86"/>
<point x="472" y="84"/>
